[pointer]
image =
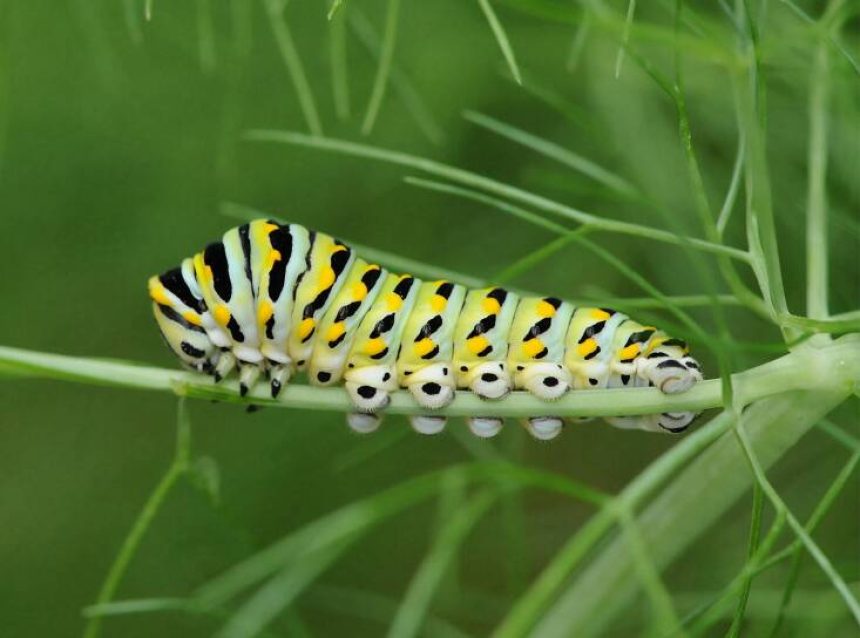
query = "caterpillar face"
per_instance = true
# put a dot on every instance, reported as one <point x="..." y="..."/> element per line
<point x="270" y="299"/>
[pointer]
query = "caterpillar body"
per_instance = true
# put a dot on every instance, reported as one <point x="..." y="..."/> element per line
<point x="271" y="299"/>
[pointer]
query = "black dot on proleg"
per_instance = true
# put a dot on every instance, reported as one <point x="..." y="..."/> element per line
<point x="324" y="377"/>
<point x="550" y="382"/>
<point x="520" y="368"/>
<point x="625" y="379"/>
<point x="464" y="368"/>
<point x="366" y="392"/>
<point x="445" y="372"/>
<point x="350" y="365"/>
<point x="431" y="388"/>
<point x="386" y="376"/>
<point x="593" y="381"/>
<point x="300" y="362"/>
<point x="489" y="377"/>
<point x="407" y="372"/>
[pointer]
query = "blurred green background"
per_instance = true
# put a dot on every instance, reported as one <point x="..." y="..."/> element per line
<point x="119" y="143"/>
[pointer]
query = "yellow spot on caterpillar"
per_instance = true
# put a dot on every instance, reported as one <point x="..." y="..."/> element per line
<point x="222" y="315"/>
<point x="336" y="330"/>
<point x="600" y="315"/>
<point x="203" y="272"/>
<point x="191" y="317"/>
<point x="438" y="303"/>
<point x="326" y="279"/>
<point x="338" y="248"/>
<point x="359" y="291"/>
<point x="306" y="327"/>
<point x="159" y="294"/>
<point x="264" y="312"/>
<point x="272" y="257"/>
<point x="490" y="305"/>
<point x="545" y="309"/>
<point x="586" y="347"/>
<point x="477" y="344"/>
<point x="629" y="352"/>
<point x="654" y="344"/>
<point x="375" y="346"/>
<point x="393" y="301"/>
<point x="532" y="347"/>
<point x="425" y="346"/>
<point x="269" y="228"/>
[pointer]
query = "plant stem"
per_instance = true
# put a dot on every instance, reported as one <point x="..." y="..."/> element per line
<point x="144" y="519"/>
<point x="490" y="185"/>
<point x="816" y="208"/>
<point x="836" y="364"/>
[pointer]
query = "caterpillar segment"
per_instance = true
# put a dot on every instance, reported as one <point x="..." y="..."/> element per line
<point x="481" y="350"/>
<point x="272" y="299"/>
<point x="338" y="328"/>
<point x="425" y="362"/>
<point x="371" y="370"/>
<point x="278" y="261"/>
<point x="327" y="265"/>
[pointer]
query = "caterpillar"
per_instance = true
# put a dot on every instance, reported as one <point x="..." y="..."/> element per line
<point x="275" y="298"/>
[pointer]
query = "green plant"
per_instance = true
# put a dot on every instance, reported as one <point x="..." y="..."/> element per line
<point x="813" y="364"/>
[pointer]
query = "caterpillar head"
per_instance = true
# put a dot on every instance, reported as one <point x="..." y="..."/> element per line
<point x="671" y="422"/>
<point x="672" y="374"/>
<point x="547" y="381"/>
<point x="369" y="386"/>
<point x="432" y="386"/>
<point x="488" y="379"/>
<point x="193" y="347"/>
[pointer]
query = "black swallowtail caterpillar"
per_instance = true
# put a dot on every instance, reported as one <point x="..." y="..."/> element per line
<point x="271" y="299"/>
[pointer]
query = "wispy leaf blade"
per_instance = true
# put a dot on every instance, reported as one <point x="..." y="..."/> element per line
<point x="502" y="38"/>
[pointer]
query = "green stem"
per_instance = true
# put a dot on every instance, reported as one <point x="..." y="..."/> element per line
<point x="380" y="82"/>
<point x="490" y="185"/>
<point x="836" y="364"/>
<point x="144" y="519"/>
<point x="816" y="207"/>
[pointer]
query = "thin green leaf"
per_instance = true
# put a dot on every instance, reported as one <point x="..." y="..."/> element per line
<point x="555" y="152"/>
<point x="402" y="85"/>
<point x="337" y="55"/>
<point x="131" y="543"/>
<point x="419" y="594"/>
<point x="811" y="546"/>
<point x="820" y="511"/>
<point x="490" y="185"/>
<point x="292" y="62"/>
<point x="380" y="82"/>
<point x="502" y="39"/>
<point x="752" y="551"/>
<point x="335" y="7"/>
<point x="625" y="37"/>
